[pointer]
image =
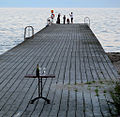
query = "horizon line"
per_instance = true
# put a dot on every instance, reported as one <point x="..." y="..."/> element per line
<point x="59" y="7"/>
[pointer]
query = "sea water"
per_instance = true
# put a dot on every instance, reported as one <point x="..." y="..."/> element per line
<point x="104" y="22"/>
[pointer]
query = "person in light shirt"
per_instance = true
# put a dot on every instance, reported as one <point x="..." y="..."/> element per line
<point x="71" y="16"/>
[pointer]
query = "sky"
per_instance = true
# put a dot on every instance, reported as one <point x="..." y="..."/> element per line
<point x="61" y="3"/>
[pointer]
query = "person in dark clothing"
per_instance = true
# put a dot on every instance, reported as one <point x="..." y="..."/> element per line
<point x="64" y="18"/>
<point x="58" y="19"/>
<point x="68" y="21"/>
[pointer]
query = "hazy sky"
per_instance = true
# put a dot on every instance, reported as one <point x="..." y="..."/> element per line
<point x="60" y="3"/>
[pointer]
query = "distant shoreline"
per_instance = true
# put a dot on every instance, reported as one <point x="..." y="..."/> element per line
<point x="115" y="59"/>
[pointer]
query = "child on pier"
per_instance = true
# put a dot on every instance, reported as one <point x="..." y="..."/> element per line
<point x="68" y="21"/>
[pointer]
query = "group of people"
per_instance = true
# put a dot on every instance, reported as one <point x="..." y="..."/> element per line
<point x="58" y="18"/>
<point x="64" y="19"/>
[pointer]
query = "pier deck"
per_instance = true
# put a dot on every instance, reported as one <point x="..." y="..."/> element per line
<point x="83" y="73"/>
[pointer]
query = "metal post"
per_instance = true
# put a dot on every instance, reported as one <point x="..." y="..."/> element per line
<point x="87" y="18"/>
<point x="38" y="87"/>
<point x="41" y="87"/>
<point x="30" y="28"/>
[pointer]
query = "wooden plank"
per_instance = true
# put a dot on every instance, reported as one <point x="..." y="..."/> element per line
<point x="74" y="55"/>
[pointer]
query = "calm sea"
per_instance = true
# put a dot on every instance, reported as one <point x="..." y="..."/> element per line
<point x="105" y="23"/>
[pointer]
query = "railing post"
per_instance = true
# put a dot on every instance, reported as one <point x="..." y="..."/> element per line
<point x="87" y="18"/>
<point x="25" y="31"/>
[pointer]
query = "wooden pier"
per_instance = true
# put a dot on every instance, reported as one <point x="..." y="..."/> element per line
<point x="83" y="73"/>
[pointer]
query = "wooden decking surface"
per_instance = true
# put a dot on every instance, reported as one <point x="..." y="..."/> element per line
<point x="74" y="55"/>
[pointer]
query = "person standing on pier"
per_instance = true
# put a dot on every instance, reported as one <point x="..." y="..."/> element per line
<point x="64" y="18"/>
<point x="68" y="21"/>
<point x="71" y="16"/>
<point x="52" y="15"/>
<point x="58" y="19"/>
